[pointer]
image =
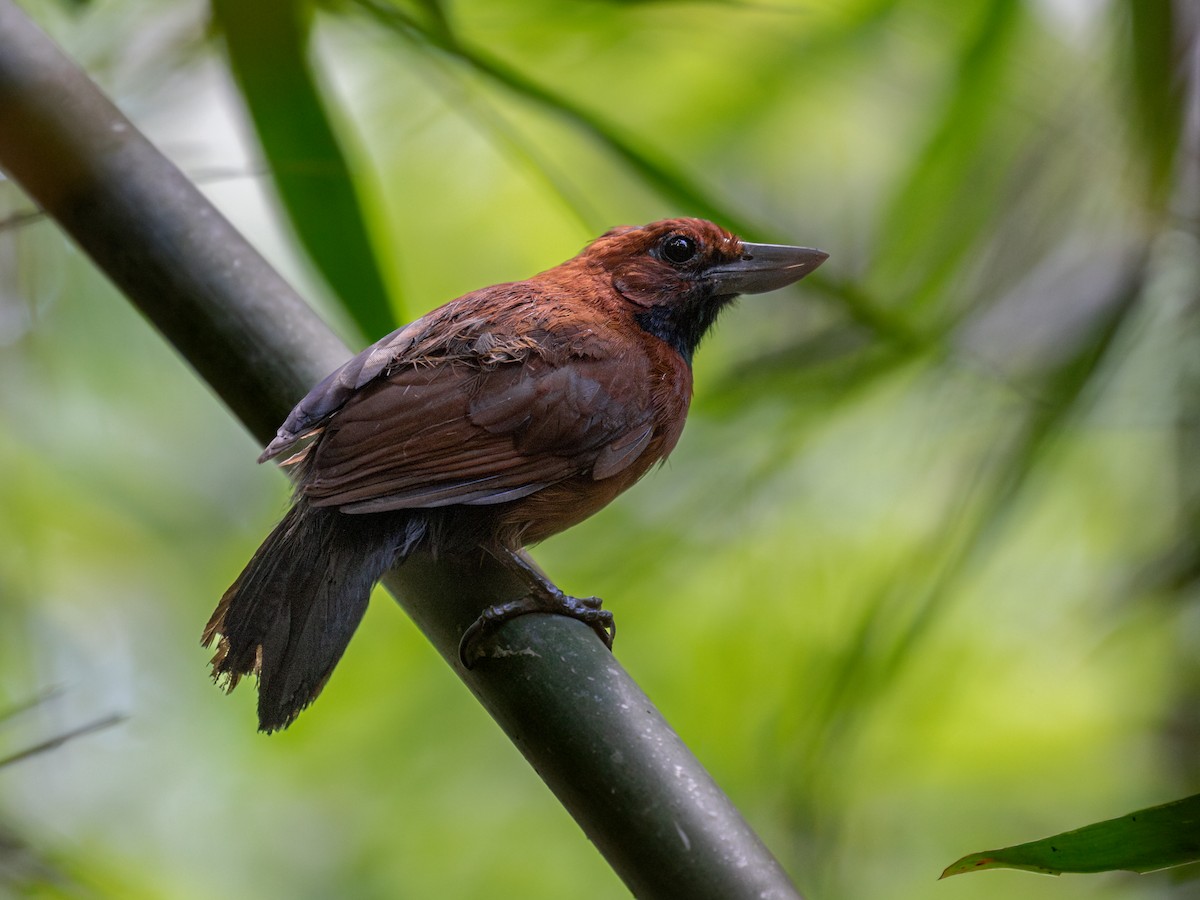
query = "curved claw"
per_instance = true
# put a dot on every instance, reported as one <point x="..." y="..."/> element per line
<point x="587" y="610"/>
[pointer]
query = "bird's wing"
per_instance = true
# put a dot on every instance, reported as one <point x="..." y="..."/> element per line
<point x="409" y="342"/>
<point x="439" y="431"/>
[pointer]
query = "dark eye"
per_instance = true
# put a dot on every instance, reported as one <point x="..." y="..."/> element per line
<point x="678" y="249"/>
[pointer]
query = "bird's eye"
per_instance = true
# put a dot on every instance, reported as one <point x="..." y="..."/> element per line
<point x="678" y="249"/>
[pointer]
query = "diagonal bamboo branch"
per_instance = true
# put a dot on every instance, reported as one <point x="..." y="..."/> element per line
<point x="583" y="724"/>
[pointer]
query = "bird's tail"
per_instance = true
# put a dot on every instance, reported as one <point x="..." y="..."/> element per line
<point x="290" y="614"/>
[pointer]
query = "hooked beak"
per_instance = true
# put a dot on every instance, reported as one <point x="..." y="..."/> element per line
<point x="764" y="267"/>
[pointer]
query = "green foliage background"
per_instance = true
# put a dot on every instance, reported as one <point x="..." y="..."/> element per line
<point x="920" y="578"/>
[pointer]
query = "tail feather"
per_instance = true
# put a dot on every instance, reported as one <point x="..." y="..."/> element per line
<point x="288" y="617"/>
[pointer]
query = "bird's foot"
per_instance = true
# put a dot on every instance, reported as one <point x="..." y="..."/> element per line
<point x="586" y="610"/>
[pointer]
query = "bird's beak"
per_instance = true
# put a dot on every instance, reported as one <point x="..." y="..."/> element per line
<point x="764" y="267"/>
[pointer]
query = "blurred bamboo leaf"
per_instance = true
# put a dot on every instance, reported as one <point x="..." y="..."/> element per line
<point x="268" y="45"/>
<point x="903" y="612"/>
<point x="23" y="871"/>
<point x="1143" y="841"/>
<point x="665" y="177"/>
<point x="1156" y="87"/>
<point x="948" y="201"/>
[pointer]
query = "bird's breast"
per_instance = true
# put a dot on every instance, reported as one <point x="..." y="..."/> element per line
<point x="559" y="506"/>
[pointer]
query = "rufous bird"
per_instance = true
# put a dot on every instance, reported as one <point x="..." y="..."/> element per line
<point x="492" y="423"/>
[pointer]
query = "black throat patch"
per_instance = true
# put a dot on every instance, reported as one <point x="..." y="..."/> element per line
<point x="684" y="326"/>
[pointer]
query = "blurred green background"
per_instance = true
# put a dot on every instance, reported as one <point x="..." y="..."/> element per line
<point x="921" y="578"/>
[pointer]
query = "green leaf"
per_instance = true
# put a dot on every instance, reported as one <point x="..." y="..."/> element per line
<point x="267" y="44"/>
<point x="1143" y="841"/>
<point x="945" y="206"/>
<point x="1156" y="82"/>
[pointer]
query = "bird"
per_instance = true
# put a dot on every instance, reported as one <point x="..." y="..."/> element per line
<point x="487" y="425"/>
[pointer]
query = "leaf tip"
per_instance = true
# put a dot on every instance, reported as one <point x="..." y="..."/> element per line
<point x="968" y="863"/>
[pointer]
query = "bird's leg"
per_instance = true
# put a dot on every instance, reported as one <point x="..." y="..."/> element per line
<point x="543" y="597"/>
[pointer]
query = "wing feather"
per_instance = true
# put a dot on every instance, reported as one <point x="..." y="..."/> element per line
<point x="471" y="427"/>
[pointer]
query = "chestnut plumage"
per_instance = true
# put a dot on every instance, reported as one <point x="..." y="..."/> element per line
<point x="493" y="422"/>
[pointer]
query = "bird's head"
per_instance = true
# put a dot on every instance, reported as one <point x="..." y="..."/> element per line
<point x="680" y="273"/>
